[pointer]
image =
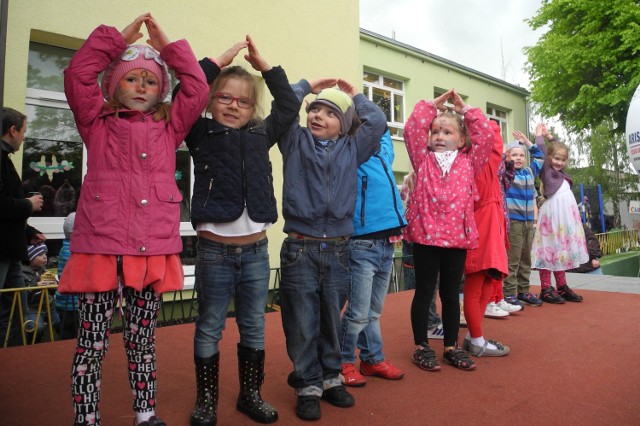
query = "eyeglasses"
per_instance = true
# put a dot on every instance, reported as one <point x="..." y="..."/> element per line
<point x="227" y="99"/>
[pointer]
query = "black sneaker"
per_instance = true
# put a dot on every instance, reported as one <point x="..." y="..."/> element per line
<point x="308" y="407"/>
<point x="338" y="396"/>
<point x="550" y="295"/>
<point x="529" y="298"/>
<point x="568" y="294"/>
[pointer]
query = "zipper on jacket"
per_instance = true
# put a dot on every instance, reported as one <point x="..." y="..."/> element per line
<point x="363" y="198"/>
<point x="328" y="181"/>
<point x="393" y="194"/>
<point x="208" y="192"/>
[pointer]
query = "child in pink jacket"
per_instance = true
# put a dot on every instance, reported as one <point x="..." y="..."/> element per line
<point x="441" y="222"/>
<point x="126" y="242"/>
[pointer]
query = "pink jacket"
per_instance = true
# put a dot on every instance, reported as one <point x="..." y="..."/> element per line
<point x="129" y="203"/>
<point x="441" y="211"/>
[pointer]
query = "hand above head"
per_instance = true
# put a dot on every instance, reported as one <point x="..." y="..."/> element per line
<point x="157" y="38"/>
<point x="229" y="55"/>
<point x="541" y="130"/>
<point x="442" y="99"/>
<point x="254" y="58"/>
<point x="347" y="87"/>
<point x="520" y="137"/>
<point x="322" y="83"/>
<point x="131" y="33"/>
<point x="458" y="103"/>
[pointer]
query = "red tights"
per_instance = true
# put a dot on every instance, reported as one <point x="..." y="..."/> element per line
<point x="545" y="278"/>
<point x="478" y="290"/>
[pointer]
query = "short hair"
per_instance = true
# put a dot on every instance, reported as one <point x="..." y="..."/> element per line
<point x="10" y="118"/>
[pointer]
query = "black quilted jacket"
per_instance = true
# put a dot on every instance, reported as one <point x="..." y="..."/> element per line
<point x="232" y="166"/>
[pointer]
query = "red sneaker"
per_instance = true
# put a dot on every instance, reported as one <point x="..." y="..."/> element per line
<point x="351" y="377"/>
<point x="382" y="369"/>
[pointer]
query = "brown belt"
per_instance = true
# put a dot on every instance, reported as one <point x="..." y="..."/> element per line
<point x="241" y="240"/>
<point x="298" y="236"/>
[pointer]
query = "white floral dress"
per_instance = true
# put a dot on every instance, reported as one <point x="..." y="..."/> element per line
<point x="559" y="242"/>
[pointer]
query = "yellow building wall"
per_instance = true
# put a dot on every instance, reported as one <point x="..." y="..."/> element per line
<point x="310" y="39"/>
<point x="421" y="75"/>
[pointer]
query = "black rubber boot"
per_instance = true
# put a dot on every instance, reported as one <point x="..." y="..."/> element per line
<point x="207" y="386"/>
<point x="251" y="374"/>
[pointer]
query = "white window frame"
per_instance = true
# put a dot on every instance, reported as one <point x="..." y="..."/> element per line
<point x="369" y="86"/>
<point x="491" y="113"/>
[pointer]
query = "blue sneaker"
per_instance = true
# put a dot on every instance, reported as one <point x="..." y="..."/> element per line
<point x="513" y="300"/>
<point x="529" y="299"/>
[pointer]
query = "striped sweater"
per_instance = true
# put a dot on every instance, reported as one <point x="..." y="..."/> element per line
<point x="521" y="194"/>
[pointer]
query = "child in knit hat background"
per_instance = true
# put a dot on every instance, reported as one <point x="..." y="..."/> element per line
<point x="126" y="242"/>
<point x="319" y="194"/>
<point x="34" y="275"/>
<point x="67" y="304"/>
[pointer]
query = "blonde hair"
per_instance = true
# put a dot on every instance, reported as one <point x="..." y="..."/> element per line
<point x="242" y="74"/>
<point x="554" y="148"/>
<point x="162" y="109"/>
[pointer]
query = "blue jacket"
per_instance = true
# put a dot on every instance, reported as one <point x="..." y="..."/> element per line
<point x="378" y="203"/>
<point x="320" y="182"/>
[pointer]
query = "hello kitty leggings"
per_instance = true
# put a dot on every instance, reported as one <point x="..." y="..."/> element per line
<point x="96" y="316"/>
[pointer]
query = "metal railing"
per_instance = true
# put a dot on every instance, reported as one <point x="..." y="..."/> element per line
<point x="178" y="307"/>
<point x="618" y="241"/>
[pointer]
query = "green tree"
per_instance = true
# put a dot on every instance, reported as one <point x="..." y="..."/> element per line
<point x="584" y="71"/>
<point x="585" y="68"/>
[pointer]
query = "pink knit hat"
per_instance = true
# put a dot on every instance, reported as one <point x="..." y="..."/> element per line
<point x="136" y="57"/>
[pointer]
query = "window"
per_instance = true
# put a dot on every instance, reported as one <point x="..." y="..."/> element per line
<point x="499" y="116"/>
<point x="388" y="94"/>
<point x="54" y="159"/>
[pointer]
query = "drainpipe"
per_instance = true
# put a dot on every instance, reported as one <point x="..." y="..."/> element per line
<point x="4" y="6"/>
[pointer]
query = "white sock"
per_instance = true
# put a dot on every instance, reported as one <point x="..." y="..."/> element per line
<point x="478" y="341"/>
<point x="143" y="417"/>
<point x="468" y="336"/>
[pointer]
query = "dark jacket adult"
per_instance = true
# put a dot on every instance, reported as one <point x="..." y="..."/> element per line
<point x="320" y="182"/>
<point x="15" y="209"/>
<point x="232" y="168"/>
<point x="593" y="246"/>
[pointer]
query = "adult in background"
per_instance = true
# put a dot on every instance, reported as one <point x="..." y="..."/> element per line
<point x="15" y="209"/>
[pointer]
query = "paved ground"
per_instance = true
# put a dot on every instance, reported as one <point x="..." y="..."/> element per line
<point x="598" y="282"/>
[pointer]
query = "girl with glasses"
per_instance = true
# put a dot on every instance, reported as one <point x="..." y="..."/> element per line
<point x="232" y="207"/>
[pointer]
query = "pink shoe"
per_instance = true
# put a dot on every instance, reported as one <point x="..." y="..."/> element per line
<point x="382" y="369"/>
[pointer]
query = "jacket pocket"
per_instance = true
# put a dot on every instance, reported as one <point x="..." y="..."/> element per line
<point x="104" y="211"/>
<point x="165" y="213"/>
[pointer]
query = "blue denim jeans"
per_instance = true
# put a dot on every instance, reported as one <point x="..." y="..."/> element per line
<point x="222" y="271"/>
<point x="315" y="281"/>
<point x="371" y="263"/>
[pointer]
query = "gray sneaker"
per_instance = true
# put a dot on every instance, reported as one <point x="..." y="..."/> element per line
<point x="480" y="351"/>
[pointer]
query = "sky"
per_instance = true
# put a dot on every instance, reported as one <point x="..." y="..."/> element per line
<point x="468" y="32"/>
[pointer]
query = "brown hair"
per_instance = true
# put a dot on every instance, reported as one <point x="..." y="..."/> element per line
<point x="242" y="74"/>
<point x="10" y="118"/>
<point x="162" y="110"/>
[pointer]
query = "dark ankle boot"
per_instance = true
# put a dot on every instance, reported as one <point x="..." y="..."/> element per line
<point x="251" y="374"/>
<point x="207" y="386"/>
